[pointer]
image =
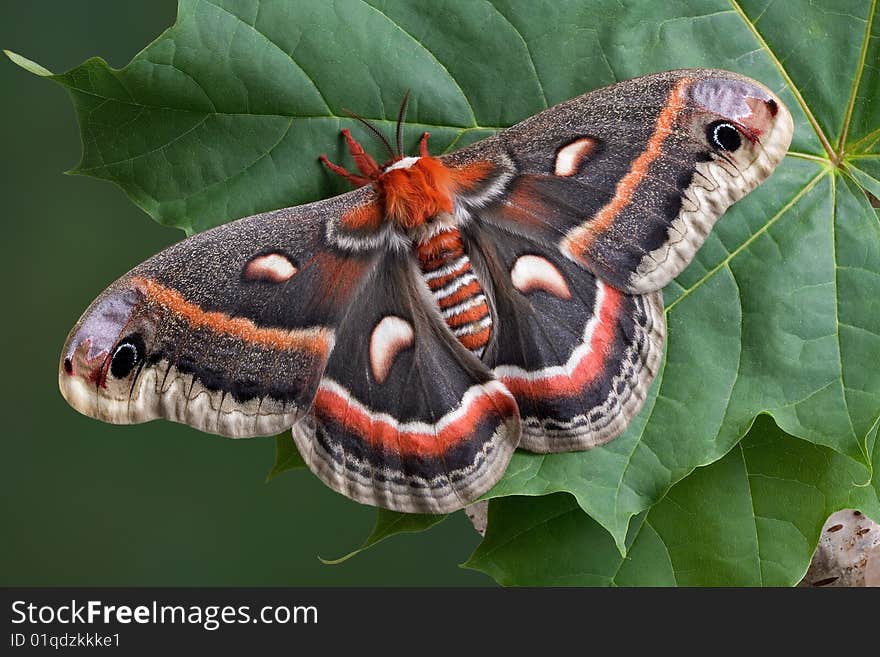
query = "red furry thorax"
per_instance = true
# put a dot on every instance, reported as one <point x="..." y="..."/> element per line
<point x="409" y="196"/>
<point x="414" y="195"/>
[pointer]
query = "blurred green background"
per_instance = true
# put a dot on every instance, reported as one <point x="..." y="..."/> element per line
<point x="84" y="503"/>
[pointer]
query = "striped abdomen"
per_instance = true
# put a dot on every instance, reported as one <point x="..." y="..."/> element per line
<point x="455" y="287"/>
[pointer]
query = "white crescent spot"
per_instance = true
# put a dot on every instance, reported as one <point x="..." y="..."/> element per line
<point x="391" y="336"/>
<point x="272" y="267"/>
<point x="569" y="158"/>
<point x="531" y="272"/>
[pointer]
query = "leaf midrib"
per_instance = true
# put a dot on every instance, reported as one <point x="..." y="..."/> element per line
<point x="788" y="80"/>
<point x="330" y="115"/>
<point x="843" y="390"/>
<point x="857" y="80"/>
<point x="763" y="229"/>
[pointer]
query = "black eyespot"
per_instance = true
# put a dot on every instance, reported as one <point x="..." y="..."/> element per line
<point x="723" y="135"/>
<point x="128" y="353"/>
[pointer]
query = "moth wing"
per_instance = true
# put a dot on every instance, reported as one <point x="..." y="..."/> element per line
<point x="628" y="180"/>
<point x="577" y="354"/>
<point x="405" y="417"/>
<point x="229" y="330"/>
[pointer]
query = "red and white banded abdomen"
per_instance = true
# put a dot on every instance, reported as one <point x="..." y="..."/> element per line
<point x="459" y="295"/>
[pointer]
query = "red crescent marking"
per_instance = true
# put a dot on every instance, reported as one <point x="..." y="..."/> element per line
<point x="580" y="238"/>
<point x="382" y="435"/>
<point x="591" y="365"/>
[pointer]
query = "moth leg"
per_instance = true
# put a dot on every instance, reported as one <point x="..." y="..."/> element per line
<point x="356" y="180"/>
<point x="423" y="145"/>
<point x="363" y="161"/>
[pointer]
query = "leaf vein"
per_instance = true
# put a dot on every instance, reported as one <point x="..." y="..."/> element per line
<point x="754" y="516"/>
<point x="857" y="79"/>
<point x="763" y="229"/>
<point x="278" y="47"/>
<point x="843" y="385"/>
<point x="797" y="94"/>
<point x="474" y="123"/>
<point x="528" y="51"/>
<point x="162" y="147"/>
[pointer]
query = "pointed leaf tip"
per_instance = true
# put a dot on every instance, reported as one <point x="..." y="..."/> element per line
<point x="287" y="457"/>
<point x="28" y="65"/>
<point x="390" y="523"/>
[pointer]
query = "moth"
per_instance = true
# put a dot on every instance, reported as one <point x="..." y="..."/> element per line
<point x="414" y="332"/>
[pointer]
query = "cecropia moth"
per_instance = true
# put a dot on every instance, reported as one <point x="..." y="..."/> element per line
<point x="417" y="330"/>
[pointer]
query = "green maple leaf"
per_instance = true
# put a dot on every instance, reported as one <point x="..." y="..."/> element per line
<point x="750" y="519"/>
<point x="224" y="114"/>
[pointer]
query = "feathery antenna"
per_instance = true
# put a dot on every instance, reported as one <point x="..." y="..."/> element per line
<point x="401" y="115"/>
<point x="372" y="129"/>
